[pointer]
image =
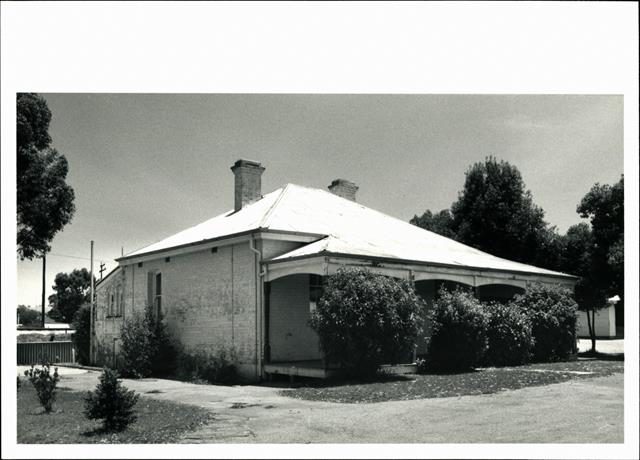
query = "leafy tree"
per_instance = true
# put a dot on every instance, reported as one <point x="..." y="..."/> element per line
<point x="440" y="223"/>
<point x="603" y="205"/>
<point x="82" y="336"/>
<point x="111" y="402"/>
<point x="365" y="319"/>
<point x="44" y="199"/>
<point x="495" y="213"/>
<point x="71" y="291"/>
<point x="28" y="317"/>
<point x="598" y="252"/>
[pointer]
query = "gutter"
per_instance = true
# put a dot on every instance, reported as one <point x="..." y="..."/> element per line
<point x="416" y="262"/>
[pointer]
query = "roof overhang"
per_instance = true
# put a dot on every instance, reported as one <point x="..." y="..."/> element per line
<point x="234" y="238"/>
<point x="327" y="263"/>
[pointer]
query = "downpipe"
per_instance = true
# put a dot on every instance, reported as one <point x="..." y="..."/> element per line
<point x="259" y="313"/>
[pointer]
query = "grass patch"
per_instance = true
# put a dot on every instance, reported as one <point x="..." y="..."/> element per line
<point x="483" y="381"/>
<point x="158" y="421"/>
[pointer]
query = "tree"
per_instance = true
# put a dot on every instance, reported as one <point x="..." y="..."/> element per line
<point x="71" y="291"/>
<point x="598" y="252"/>
<point x="365" y="319"/>
<point x="495" y="213"/>
<point x="44" y="199"/>
<point x="603" y="205"/>
<point x="28" y="317"/>
<point x="82" y="336"/>
<point x="440" y="223"/>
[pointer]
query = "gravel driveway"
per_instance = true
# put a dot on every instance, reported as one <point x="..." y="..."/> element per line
<point x="257" y="414"/>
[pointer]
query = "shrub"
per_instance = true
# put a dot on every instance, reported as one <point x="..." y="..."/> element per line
<point x="82" y="335"/>
<point x="458" y="339"/>
<point x="19" y="382"/>
<point x="215" y="368"/>
<point x="510" y="340"/>
<point x="365" y="319"/>
<point x="146" y="346"/>
<point x="552" y="312"/>
<point x="45" y="384"/>
<point x="111" y="402"/>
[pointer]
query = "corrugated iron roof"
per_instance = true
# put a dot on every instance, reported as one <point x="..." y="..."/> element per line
<point x="349" y="228"/>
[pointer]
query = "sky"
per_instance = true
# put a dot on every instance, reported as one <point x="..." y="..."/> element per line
<point x="145" y="166"/>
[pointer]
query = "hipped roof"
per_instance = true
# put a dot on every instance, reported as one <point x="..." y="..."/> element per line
<point x="343" y="227"/>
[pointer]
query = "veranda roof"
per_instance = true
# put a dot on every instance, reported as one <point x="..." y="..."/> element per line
<point x="343" y="227"/>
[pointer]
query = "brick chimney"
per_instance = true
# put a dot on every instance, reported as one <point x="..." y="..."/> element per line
<point x="248" y="186"/>
<point x="344" y="188"/>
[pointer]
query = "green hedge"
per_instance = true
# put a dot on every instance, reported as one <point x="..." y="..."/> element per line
<point x="552" y="313"/>
<point x="459" y="332"/>
<point x="365" y="319"/>
<point x="510" y="339"/>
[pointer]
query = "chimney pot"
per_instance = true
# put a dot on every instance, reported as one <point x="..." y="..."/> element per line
<point x="248" y="183"/>
<point x="344" y="188"/>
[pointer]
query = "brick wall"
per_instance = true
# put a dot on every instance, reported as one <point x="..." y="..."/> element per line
<point x="290" y="337"/>
<point x="208" y="301"/>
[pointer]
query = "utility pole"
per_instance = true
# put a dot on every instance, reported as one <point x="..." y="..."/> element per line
<point x="44" y="269"/>
<point x="91" y="328"/>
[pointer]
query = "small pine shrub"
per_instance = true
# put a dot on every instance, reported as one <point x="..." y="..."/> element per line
<point x="510" y="340"/>
<point x="111" y="402"/>
<point x="215" y="368"/>
<point x="365" y="319"/>
<point x="459" y="339"/>
<point x="45" y="384"/>
<point x="553" y="315"/>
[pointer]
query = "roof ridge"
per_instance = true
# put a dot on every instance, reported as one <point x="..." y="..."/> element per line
<point x="267" y="215"/>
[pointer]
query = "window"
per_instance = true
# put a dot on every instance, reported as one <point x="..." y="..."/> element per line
<point x="111" y="303"/>
<point x="120" y="307"/>
<point x="154" y="291"/>
<point x="315" y="291"/>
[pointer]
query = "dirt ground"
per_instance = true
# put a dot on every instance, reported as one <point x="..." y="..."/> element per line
<point x="257" y="414"/>
<point x="613" y="346"/>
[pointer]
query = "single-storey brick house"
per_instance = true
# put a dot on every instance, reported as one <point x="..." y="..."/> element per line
<point x="248" y="278"/>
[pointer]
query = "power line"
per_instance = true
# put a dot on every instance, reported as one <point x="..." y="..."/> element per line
<point x="69" y="256"/>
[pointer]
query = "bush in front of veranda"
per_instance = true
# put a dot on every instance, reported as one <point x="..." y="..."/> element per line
<point x="552" y="312"/>
<point x="459" y="332"/>
<point x="146" y="346"/>
<point x="365" y="319"/>
<point x="111" y="402"/>
<point x="509" y="336"/>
